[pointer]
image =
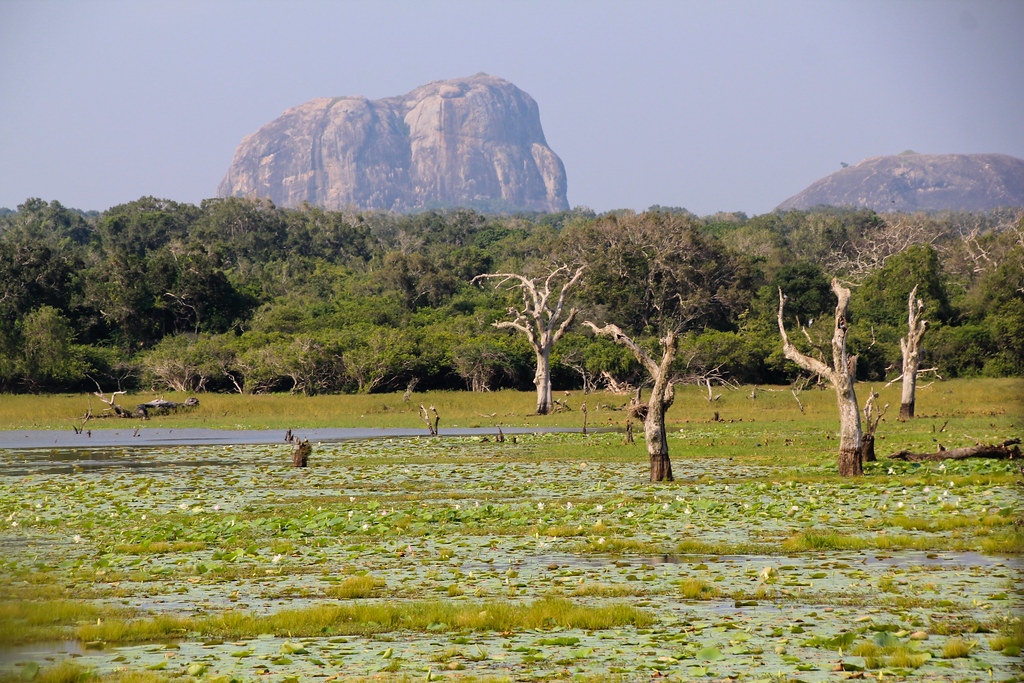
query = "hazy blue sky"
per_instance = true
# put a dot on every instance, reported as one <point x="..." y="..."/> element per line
<point x="713" y="106"/>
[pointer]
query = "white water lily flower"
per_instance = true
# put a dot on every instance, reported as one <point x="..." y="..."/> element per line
<point x="568" y="506"/>
<point x="277" y="558"/>
<point x="629" y="514"/>
<point x="600" y="541"/>
<point x="892" y="471"/>
<point x="540" y="506"/>
<point x="365" y="527"/>
<point x="899" y="504"/>
<point x="664" y="506"/>
<point x="599" y="507"/>
<point x="76" y="538"/>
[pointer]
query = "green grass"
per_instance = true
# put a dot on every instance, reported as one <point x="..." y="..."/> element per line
<point x="363" y="619"/>
<point x="355" y="587"/>
<point x="977" y="402"/>
<point x="71" y="672"/>
<point x="33" y="620"/>
<point x="697" y="589"/>
<point x="957" y="647"/>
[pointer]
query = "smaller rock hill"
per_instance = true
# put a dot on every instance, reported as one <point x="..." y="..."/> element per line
<point x="920" y="182"/>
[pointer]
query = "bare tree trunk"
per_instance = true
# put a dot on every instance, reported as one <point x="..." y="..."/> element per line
<point x="425" y="417"/>
<point x="841" y="375"/>
<point x="849" y="422"/>
<point x="910" y="346"/>
<point x="662" y="396"/>
<point x="657" y="440"/>
<point x="542" y="380"/>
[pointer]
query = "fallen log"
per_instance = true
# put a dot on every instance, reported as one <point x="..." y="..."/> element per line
<point x="1008" y="450"/>
<point x="163" y="406"/>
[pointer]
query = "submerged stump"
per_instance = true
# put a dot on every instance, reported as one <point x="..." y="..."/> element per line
<point x="300" y="456"/>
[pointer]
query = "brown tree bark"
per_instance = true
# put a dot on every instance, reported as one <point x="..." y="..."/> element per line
<point x="840" y="375"/>
<point x="1008" y="450"/>
<point x="871" y="420"/>
<point x="538" y="319"/>
<point x="300" y="456"/>
<point x="662" y="395"/>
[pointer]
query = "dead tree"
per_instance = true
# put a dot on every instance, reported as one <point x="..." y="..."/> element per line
<point x="111" y="402"/>
<point x="300" y="456"/>
<point x="840" y="375"/>
<point x="662" y="395"/>
<point x="407" y="396"/>
<point x="539" y="319"/>
<point x="910" y="347"/>
<point x="1008" y="450"/>
<point x="871" y="419"/>
<point x="425" y="417"/>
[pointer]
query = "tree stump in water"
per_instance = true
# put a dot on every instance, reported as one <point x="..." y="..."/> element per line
<point x="300" y="456"/>
<point x="867" y="448"/>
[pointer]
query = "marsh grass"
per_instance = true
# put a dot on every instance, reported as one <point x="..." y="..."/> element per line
<point x="1010" y="637"/>
<point x="616" y="545"/>
<point x="72" y="672"/>
<point x="159" y="547"/>
<point x="355" y="587"/>
<point x="698" y="589"/>
<point x="1008" y="541"/>
<point x="818" y="540"/>
<point x="28" y="620"/>
<point x="956" y="647"/>
<point x="365" y="619"/>
<point x="605" y="590"/>
<point x="946" y="523"/>
<point x="977" y="401"/>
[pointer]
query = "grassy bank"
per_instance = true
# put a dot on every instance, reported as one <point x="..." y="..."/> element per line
<point x="975" y="398"/>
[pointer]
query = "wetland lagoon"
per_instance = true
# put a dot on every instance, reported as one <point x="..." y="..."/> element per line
<point x="404" y="557"/>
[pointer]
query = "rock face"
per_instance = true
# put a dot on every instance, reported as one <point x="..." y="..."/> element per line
<point x="474" y="142"/>
<point x="920" y="182"/>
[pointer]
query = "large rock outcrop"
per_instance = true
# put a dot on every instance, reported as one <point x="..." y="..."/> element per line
<point x="920" y="182"/>
<point x="473" y="142"/>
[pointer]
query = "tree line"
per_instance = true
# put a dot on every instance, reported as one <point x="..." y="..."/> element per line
<point x="241" y="295"/>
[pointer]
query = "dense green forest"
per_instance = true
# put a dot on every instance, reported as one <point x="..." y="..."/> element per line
<point x="239" y="295"/>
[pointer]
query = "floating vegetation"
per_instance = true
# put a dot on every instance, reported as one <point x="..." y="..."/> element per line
<point x="413" y="559"/>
